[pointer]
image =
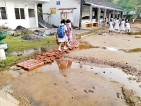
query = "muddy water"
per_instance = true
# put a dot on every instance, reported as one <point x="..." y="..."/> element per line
<point x="132" y="50"/>
<point x="110" y="73"/>
<point x="27" y="52"/>
<point x="67" y="83"/>
<point x="87" y="46"/>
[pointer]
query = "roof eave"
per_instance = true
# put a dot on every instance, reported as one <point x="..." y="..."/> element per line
<point x="100" y="6"/>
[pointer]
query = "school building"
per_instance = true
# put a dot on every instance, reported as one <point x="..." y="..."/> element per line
<point x="93" y="11"/>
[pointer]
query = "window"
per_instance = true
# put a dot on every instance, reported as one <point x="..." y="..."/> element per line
<point x="57" y="2"/>
<point x="31" y="12"/>
<point x="3" y="13"/>
<point x="19" y="13"/>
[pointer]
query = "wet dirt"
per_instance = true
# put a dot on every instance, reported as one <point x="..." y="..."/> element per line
<point x="81" y="83"/>
<point x="66" y="83"/>
<point x="85" y="45"/>
<point x="132" y="50"/>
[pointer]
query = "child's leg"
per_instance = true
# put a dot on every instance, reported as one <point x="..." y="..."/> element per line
<point x="59" y="48"/>
<point x="65" y="45"/>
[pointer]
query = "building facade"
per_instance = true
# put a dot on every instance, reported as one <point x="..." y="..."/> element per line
<point x="92" y="11"/>
<point x="55" y="10"/>
<point x="19" y="12"/>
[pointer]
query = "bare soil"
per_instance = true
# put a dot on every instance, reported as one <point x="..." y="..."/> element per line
<point x="69" y="82"/>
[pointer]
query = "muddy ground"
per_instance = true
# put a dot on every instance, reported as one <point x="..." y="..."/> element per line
<point x="104" y="71"/>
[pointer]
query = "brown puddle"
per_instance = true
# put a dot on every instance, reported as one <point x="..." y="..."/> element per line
<point x="85" y="45"/>
<point x="131" y="50"/>
<point x="137" y="37"/>
<point x="67" y="83"/>
<point x="112" y="73"/>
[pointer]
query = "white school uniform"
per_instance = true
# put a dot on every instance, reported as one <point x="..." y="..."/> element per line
<point x="64" y="39"/>
<point x="70" y="35"/>
<point x="116" y="25"/>
<point x="122" y="26"/>
<point x="127" y="26"/>
<point x="111" y="26"/>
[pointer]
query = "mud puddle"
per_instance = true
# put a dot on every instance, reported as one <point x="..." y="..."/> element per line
<point x="87" y="46"/>
<point x="67" y="83"/>
<point x="109" y="73"/>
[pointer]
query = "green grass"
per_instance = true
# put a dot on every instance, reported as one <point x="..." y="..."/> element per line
<point x="17" y="44"/>
<point x="9" y="61"/>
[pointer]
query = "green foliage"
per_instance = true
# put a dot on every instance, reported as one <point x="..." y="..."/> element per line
<point x="128" y="5"/>
<point x="39" y="9"/>
<point x="110" y="0"/>
<point x="10" y="60"/>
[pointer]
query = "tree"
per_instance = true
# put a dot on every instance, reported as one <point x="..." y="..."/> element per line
<point x="109" y="0"/>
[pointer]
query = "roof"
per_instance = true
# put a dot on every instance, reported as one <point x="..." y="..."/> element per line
<point x="66" y="8"/>
<point x="103" y="4"/>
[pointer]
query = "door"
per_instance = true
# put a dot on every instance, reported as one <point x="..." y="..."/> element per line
<point x="31" y="14"/>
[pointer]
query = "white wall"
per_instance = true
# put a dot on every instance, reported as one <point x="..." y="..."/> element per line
<point x="55" y="18"/>
<point x="11" y="21"/>
<point x="86" y="11"/>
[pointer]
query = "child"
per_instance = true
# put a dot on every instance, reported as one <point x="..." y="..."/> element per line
<point x="127" y="27"/>
<point x="133" y="20"/>
<point x="122" y="26"/>
<point x="111" y="26"/>
<point x="69" y="31"/>
<point x="116" y="24"/>
<point x="61" y="35"/>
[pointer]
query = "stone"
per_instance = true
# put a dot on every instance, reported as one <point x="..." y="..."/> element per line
<point x="31" y="37"/>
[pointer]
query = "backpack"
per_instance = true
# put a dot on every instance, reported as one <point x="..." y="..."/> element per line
<point x="61" y="31"/>
<point x="68" y="30"/>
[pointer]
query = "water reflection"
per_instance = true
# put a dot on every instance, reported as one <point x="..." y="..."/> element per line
<point x="62" y="66"/>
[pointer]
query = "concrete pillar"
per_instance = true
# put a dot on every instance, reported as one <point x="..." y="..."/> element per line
<point x="121" y="14"/>
<point x="91" y="13"/>
<point x="36" y="15"/>
<point x="113" y="13"/>
<point x="105" y="13"/>
<point x="109" y="17"/>
<point x="98" y="15"/>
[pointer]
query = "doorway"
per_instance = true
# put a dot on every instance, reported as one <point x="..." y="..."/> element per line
<point x="31" y="14"/>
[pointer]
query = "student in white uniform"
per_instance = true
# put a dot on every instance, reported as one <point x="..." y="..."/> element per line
<point x="127" y="27"/>
<point x="117" y="24"/>
<point x="69" y="29"/>
<point x="64" y="39"/>
<point x="111" y="28"/>
<point x="122" y="26"/>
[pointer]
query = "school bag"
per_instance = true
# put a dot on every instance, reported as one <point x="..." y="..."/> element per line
<point x="61" y="31"/>
<point x="68" y="30"/>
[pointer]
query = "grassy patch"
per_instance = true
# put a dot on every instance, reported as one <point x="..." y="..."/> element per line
<point x="128" y="95"/>
<point x="10" y="60"/>
<point x="17" y="44"/>
<point x="135" y="33"/>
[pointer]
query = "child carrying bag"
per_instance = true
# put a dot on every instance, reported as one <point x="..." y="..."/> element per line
<point x="60" y="31"/>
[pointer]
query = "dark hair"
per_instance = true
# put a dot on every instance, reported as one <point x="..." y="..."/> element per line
<point x="68" y="21"/>
<point x="126" y="22"/>
<point x="63" y="21"/>
<point x="110" y="19"/>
